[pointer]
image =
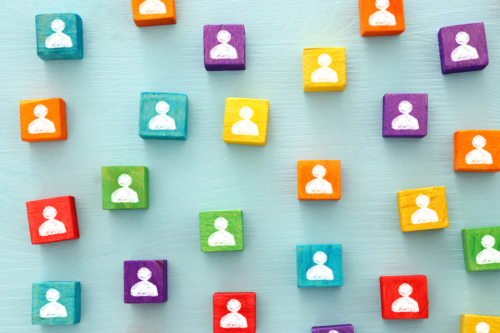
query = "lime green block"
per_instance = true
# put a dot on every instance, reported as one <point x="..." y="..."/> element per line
<point x="481" y="249"/>
<point x="125" y="187"/>
<point x="221" y="231"/>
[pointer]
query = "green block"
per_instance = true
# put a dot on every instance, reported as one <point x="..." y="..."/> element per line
<point x="125" y="187"/>
<point x="221" y="231"/>
<point x="481" y="249"/>
<point x="55" y="303"/>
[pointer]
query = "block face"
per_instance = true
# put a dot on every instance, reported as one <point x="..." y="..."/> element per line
<point x="163" y="116"/>
<point x="477" y="151"/>
<point x="324" y="69"/>
<point x="404" y="297"/>
<point x="145" y="281"/>
<point x="423" y="209"/>
<point x="348" y="328"/>
<point x="125" y="187"/>
<point x="43" y="120"/>
<point x="224" y="47"/>
<point x="56" y="303"/>
<point x="245" y="121"/>
<point x="405" y="116"/>
<point x="59" y="36"/>
<point x="235" y="312"/>
<point x="381" y="17"/>
<point x="481" y="248"/>
<point x="319" y="180"/>
<point x="463" y="48"/>
<point x="319" y="265"/>
<point x="149" y="13"/>
<point x="221" y="231"/>
<point x="479" y="324"/>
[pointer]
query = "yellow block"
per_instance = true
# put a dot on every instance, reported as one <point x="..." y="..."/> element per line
<point x="245" y="121"/>
<point x="479" y="324"/>
<point x="423" y="209"/>
<point x="324" y="69"/>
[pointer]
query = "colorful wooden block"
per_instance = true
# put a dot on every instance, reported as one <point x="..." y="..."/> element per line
<point x="245" y="121"/>
<point x="224" y="47"/>
<point x="319" y="265"/>
<point x="145" y="281"/>
<point x="423" y="209"/>
<point x="235" y="312"/>
<point x="477" y="151"/>
<point x="479" y="324"/>
<point x="463" y="48"/>
<point x="405" y="116"/>
<point x="324" y="69"/>
<point x="381" y="17"/>
<point x="221" y="231"/>
<point x="334" y="329"/>
<point x="59" y="36"/>
<point x="163" y="116"/>
<point x="481" y="249"/>
<point x="56" y="303"/>
<point x="43" y="120"/>
<point x="404" y="297"/>
<point x="149" y="13"/>
<point x="125" y="187"/>
<point x="318" y="180"/>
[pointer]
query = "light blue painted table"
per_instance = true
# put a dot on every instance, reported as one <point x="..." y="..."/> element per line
<point x="102" y="93"/>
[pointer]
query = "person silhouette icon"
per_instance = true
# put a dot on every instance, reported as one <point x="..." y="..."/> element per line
<point x="223" y="50"/>
<point x="58" y="40"/>
<point x="233" y="319"/>
<point x="405" y="121"/>
<point x="479" y="155"/>
<point x="464" y="51"/>
<point x="319" y="185"/>
<point x="124" y="194"/>
<point x="333" y="331"/>
<point x="144" y="288"/>
<point x="319" y="271"/>
<point x="405" y="303"/>
<point x="150" y="7"/>
<point x="482" y="327"/>
<point x="221" y="237"/>
<point x="245" y="126"/>
<point x="324" y="73"/>
<point x="489" y="255"/>
<point x="53" y="309"/>
<point x="162" y="121"/>
<point x="382" y="17"/>
<point x="424" y="214"/>
<point x="41" y="124"/>
<point x="51" y="226"/>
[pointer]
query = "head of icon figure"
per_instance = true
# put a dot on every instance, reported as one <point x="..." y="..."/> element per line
<point x="246" y="113"/>
<point x="320" y="258"/>
<point x="162" y="107"/>
<point x="144" y="274"/>
<point x="462" y="38"/>
<point x="382" y="4"/>
<point x="40" y="111"/>
<point x="49" y="212"/>
<point x="125" y="180"/>
<point x="319" y="171"/>
<point x="488" y="241"/>
<point x="405" y="290"/>
<point x="482" y="327"/>
<point x="479" y="142"/>
<point x="333" y="331"/>
<point x="234" y="305"/>
<point x="324" y="60"/>
<point x="52" y="295"/>
<point x="221" y="224"/>
<point x="58" y="25"/>
<point x="405" y="107"/>
<point x="423" y="201"/>
<point x="224" y="36"/>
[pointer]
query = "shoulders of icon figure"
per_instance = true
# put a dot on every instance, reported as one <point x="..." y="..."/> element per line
<point x="124" y="194"/>
<point x="319" y="271"/>
<point x="162" y="121"/>
<point x="41" y="124"/>
<point x="223" y="50"/>
<point x="221" y="237"/>
<point x="144" y="288"/>
<point x="482" y="327"/>
<point x="233" y="319"/>
<point x="149" y="7"/>
<point x="405" y="303"/>
<point x="51" y="226"/>
<point x="58" y="39"/>
<point x="245" y="126"/>
<point x="464" y="51"/>
<point x="405" y="121"/>
<point x="324" y="73"/>
<point x="319" y="185"/>
<point x="424" y="214"/>
<point x="53" y="309"/>
<point x="489" y="255"/>
<point x="479" y="155"/>
<point x="382" y="17"/>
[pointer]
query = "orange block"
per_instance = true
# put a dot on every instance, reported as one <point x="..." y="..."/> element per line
<point x="477" y="151"/>
<point x="149" y="13"/>
<point x="43" y="120"/>
<point x="318" y="179"/>
<point x="381" y="17"/>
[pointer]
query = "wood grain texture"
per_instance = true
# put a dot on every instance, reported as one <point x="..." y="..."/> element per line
<point x="391" y="291"/>
<point x="463" y="145"/>
<point x="139" y="184"/>
<point x="310" y="63"/>
<point x="305" y="176"/>
<point x="479" y="324"/>
<point x="368" y="7"/>
<point x="473" y="246"/>
<point x="73" y="29"/>
<point x="69" y="297"/>
<point x="234" y="227"/>
<point x="258" y="116"/>
<point x="221" y="305"/>
<point x="56" y="113"/>
<point x="150" y="20"/>
<point x="394" y="109"/>
<point x="305" y="262"/>
<point x="159" y="278"/>
<point x="235" y="40"/>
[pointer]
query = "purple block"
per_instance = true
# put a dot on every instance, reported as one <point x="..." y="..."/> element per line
<point x="463" y="48"/>
<point x="339" y="328"/>
<point x="405" y="116"/>
<point x="145" y="281"/>
<point x="224" y="47"/>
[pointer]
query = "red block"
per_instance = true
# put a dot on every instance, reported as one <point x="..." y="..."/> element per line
<point x="235" y="313"/>
<point x="52" y="220"/>
<point x="404" y="297"/>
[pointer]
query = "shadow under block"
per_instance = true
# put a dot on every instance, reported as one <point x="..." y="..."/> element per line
<point x="479" y="324"/>
<point x="319" y="180"/>
<point x="43" y="120"/>
<point x="224" y="47"/>
<point x="125" y="187"/>
<point x="221" y="231"/>
<point x="59" y="36"/>
<point x="235" y="312"/>
<point x="423" y="209"/>
<point x="149" y="13"/>
<point x="245" y="121"/>
<point x="477" y="151"/>
<point x="324" y="69"/>
<point x="404" y="115"/>
<point x="348" y="328"/>
<point x="145" y="281"/>
<point x="56" y="303"/>
<point x="319" y="265"/>
<point x="163" y="116"/>
<point x="381" y="17"/>
<point x="463" y="48"/>
<point x="481" y="249"/>
<point x="404" y="297"/>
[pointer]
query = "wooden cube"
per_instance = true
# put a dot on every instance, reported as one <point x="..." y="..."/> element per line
<point x="405" y="116"/>
<point x="149" y="13"/>
<point x="381" y="17"/>
<point x="319" y="265"/>
<point x="221" y="231"/>
<point x="125" y="187"/>
<point x="334" y="328"/>
<point x="481" y="249"/>
<point x="404" y="297"/>
<point x="245" y="121"/>
<point x="423" y="209"/>
<point x="145" y="281"/>
<point x="52" y="220"/>
<point x="59" y="36"/>
<point x="324" y="69"/>
<point x="56" y="303"/>
<point x="235" y="312"/>
<point x="43" y="120"/>
<point x="479" y="324"/>
<point x="477" y="151"/>
<point x="224" y="47"/>
<point x="318" y="180"/>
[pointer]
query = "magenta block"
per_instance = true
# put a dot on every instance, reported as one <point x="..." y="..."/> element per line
<point x="224" y="47"/>
<point x="404" y="116"/>
<point x="336" y="328"/>
<point x="463" y="48"/>
<point x="145" y="281"/>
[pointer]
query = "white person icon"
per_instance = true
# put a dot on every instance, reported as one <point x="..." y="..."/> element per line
<point x="51" y="226"/>
<point x="382" y="17"/>
<point x="144" y="288"/>
<point x="150" y="7"/>
<point x="245" y="126"/>
<point x="41" y="124"/>
<point x="221" y="237"/>
<point x="162" y="121"/>
<point x="319" y="185"/>
<point x="223" y="50"/>
<point x="464" y="51"/>
<point x="405" y="121"/>
<point x="479" y="155"/>
<point x="324" y="73"/>
<point x="53" y="309"/>
<point x="482" y="327"/>
<point x="424" y="214"/>
<point x="124" y="194"/>
<point x="489" y="255"/>
<point x="58" y="39"/>
<point x="405" y="303"/>
<point x="233" y="319"/>
<point x="319" y="271"/>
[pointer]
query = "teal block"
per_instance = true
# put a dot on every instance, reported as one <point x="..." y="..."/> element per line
<point x="57" y="40"/>
<point x="319" y="265"/>
<point x="481" y="248"/>
<point x="163" y="116"/>
<point x="56" y="303"/>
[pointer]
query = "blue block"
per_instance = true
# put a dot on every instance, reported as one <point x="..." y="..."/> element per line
<point x="163" y="116"/>
<point x="59" y="36"/>
<point x="56" y="303"/>
<point x="319" y="265"/>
